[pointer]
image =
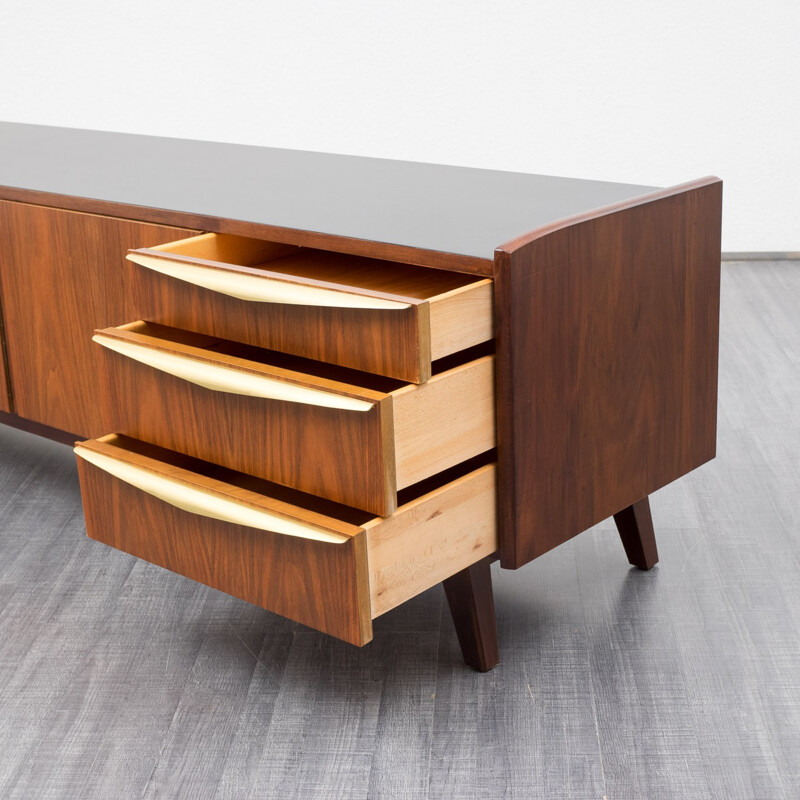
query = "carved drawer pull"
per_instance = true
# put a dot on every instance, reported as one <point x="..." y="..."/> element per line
<point x="219" y="378"/>
<point x="262" y="289"/>
<point x="202" y="502"/>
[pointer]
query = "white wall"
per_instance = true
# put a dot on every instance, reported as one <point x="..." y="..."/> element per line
<point x="610" y="89"/>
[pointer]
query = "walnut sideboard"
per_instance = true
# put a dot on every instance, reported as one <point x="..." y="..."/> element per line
<point x="324" y="384"/>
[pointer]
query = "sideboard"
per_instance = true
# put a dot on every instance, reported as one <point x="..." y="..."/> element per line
<point x="326" y="383"/>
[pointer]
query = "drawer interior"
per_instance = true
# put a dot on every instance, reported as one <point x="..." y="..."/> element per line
<point x="312" y="368"/>
<point x="405" y="282"/>
<point x="321" y="563"/>
<point x="141" y="330"/>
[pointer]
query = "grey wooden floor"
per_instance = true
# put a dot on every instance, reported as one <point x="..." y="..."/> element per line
<point x="121" y="680"/>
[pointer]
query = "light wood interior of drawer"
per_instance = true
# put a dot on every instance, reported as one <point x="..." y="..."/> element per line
<point x="432" y="537"/>
<point x="317" y="369"/>
<point x="448" y="419"/>
<point x="256" y="490"/>
<point x="456" y="309"/>
<point x="312" y="265"/>
<point x="461" y="318"/>
<point x="285" y="361"/>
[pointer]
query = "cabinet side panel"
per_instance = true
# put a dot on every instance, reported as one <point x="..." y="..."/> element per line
<point x="608" y="336"/>
<point x="62" y="276"/>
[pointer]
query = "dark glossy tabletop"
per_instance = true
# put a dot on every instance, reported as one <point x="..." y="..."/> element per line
<point x="450" y="209"/>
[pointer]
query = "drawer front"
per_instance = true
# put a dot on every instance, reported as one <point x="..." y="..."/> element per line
<point x="345" y="442"/>
<point x="323" y="566"/>
<point x="376" y="316"/>
<point x="321" y="584"/>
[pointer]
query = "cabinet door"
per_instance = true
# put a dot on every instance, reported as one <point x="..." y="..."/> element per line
<point x="63" y="274"/>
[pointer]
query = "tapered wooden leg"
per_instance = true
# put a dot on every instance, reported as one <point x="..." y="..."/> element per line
<point x="469" y="595"/>
<point x="635" y="526"/>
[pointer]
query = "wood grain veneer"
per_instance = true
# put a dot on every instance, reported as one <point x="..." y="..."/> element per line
<point x="357" y="457"/>
<point x="62" y="276"/>
<point x="437" y="313"/>
<point x="607" y="344"/>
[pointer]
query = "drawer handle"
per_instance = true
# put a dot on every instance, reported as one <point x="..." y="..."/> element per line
<point x="260" y="289"/>
<point x="204" y="503"/>
<point x="220" y="378"/>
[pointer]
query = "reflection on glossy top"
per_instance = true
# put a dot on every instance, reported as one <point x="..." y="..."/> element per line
<point x="450" y="209"/>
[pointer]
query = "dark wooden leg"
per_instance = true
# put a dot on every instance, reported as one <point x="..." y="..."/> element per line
<point x="635" y="526"/>
<point x="469" y="595"/>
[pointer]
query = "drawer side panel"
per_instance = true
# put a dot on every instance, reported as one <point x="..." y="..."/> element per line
<point x="430" y="539"/>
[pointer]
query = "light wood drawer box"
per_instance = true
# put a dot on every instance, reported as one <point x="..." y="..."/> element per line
<point x="324" y="565"/>
<point x="348" y="436"/>
<point x="378" y="316"/>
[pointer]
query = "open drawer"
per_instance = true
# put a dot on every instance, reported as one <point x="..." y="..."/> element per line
<point x="313" y="561"/>
<point x="378" y="316"/>
<point x="349" y="436"/>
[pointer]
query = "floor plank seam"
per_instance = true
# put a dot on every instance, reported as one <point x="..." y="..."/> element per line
<point x="168" y="730"/>
<point x="444" y="619"/>
<point x="595" y="717"/>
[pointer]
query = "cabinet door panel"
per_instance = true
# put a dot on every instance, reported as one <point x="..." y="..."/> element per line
<point x="63" y="274"/>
